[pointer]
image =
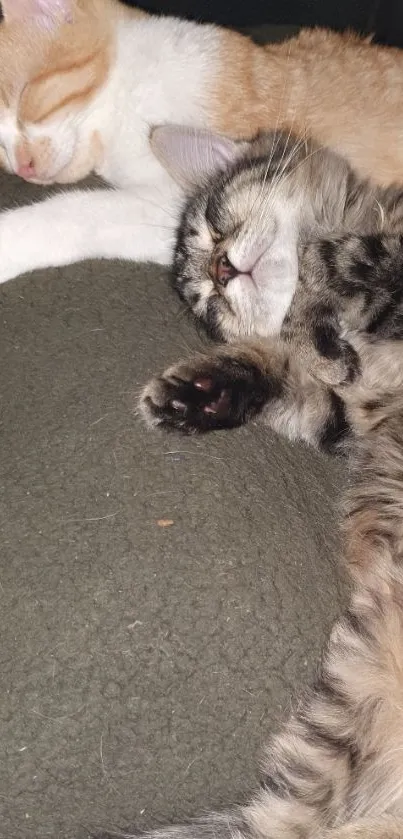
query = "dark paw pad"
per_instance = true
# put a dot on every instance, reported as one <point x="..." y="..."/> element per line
<point x="214" y="393"/>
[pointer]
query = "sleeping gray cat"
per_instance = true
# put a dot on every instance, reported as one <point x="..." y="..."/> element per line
<point x="283" y="239"/>
<point x="335" y="771"/>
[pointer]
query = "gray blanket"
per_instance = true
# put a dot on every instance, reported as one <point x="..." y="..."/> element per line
<point x="161" y="597"/>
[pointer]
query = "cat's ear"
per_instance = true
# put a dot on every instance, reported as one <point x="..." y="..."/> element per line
<point x="44" y="13"/>
<point x="191" y="156"/>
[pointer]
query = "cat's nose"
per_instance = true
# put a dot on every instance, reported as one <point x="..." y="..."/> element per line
<point x="223" y="270"/>
<point x="26" y="170"/>
<point x="24" y="162"/>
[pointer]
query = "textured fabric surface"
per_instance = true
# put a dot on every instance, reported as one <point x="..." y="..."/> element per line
<point x="142" y="666"/>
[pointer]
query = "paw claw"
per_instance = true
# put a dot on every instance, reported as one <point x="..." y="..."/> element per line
<point x="177" y="405"/>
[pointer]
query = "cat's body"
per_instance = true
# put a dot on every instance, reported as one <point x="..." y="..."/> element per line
<point x="83" y="81"/>
<point x="336" y="768"/>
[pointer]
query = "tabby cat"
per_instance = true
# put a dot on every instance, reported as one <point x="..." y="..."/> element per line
<point x="82" y="81"/>
<point x="335" y="378"/>
<point x="288" y="241"/>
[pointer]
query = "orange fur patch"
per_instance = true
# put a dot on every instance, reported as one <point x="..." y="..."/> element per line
<point x="77" y="65"/>
<point x="341" y="90"/>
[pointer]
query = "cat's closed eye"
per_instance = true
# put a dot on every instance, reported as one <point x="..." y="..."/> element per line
<point x="215" y="235"/>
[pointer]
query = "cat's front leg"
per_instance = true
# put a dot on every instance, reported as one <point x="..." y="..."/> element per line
<point x="236" y="383"/>
<point x="69" y="227"/>
<point x="315" y="320"/>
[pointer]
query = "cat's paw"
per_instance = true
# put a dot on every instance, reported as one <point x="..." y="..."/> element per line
<point x="316" y="333"/>
<point x="331" y="358"/>
<point x="209" y="392"/>
<point x="339" y="371"/>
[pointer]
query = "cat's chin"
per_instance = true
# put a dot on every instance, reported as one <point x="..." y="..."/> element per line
<point x="42" y="180"/>
<point x="37" y="181"/>
<point x="67" y="175"/>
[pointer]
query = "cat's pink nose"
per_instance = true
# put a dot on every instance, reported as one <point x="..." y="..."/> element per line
<point x="26" y="170"/>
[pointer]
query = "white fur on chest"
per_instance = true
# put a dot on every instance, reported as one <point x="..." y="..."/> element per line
<point x="163" y="72"/>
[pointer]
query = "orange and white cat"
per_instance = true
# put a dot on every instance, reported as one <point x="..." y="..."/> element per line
<point x="83" y="81"/>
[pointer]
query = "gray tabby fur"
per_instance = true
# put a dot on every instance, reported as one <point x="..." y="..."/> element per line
<point x="334" y="378"/>
<point x="277" y="195"/>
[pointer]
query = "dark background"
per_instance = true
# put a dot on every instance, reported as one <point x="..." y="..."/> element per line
<point x="382" y="17"/>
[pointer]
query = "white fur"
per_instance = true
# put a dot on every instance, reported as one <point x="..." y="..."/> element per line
<point x="162" y="74"/>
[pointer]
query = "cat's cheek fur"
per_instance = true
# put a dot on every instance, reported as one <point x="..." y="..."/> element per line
<point x="86" y="159"/>
<point x="53" y="152"/>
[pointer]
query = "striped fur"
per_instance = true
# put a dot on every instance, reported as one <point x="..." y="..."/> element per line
<point x="334" y="379"/>
<point x="336" y="767"/>
<point x="235" y="383"/>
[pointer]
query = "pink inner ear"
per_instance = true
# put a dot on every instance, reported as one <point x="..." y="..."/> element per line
<point x="46" y="13"/>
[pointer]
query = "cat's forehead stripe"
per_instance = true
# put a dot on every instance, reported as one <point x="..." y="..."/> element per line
<point x="76" y="98"/>
<point x="69" y="68"/>
<point x="76" y="84"/>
